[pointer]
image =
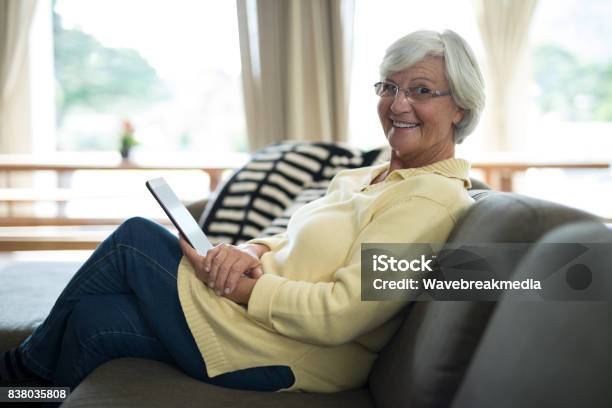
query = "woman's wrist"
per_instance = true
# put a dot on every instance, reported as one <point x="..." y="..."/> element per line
<point x="243" y="291"/>
<point x="256" y="249"/>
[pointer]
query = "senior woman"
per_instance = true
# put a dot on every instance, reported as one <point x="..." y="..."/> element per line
<point x="285" y="312"/>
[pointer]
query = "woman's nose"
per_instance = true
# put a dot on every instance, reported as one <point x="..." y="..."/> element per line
<point x="401" y="103"/>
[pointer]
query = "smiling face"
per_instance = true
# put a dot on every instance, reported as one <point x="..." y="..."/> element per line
<point x="422" y="133"/>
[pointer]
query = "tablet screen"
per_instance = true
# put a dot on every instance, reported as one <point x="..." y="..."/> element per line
<point x="179" y="215"/>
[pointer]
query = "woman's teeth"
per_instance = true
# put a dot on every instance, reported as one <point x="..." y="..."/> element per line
<point x="405" y="124"/>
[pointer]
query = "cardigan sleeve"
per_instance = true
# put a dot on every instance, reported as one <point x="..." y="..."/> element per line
<point x="271" y="242"/>
<point x="332" y="313"/>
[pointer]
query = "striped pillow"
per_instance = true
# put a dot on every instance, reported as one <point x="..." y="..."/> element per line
<point x="315" y="191"/>
<point x="268" y="185"/>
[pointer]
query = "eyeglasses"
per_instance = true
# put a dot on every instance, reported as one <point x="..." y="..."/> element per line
<point x="413" y="94"/>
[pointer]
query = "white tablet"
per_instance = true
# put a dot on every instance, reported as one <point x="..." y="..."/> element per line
<point x="179" y="215"/>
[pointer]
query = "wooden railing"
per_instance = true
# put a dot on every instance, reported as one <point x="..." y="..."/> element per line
<point x="499" y="174"/>
<point x="65" y="165"/>
<point x="61" y="232"/>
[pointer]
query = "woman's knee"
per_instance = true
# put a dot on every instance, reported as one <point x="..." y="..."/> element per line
<point x="141" y="232"/>
<point x="137" y="227"/>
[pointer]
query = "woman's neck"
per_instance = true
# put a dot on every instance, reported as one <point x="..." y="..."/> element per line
<point x="408" y="162"/>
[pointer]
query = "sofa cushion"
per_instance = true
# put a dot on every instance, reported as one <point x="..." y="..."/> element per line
<point x="549" y="353"/>
<point x="28" y="290"/>
<point x="266" y="186"/>
<point x="146" y="383"/>
<point x="423" y="364"/>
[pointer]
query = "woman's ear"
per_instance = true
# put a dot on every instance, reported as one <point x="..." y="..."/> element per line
<point x="458" y="117"/>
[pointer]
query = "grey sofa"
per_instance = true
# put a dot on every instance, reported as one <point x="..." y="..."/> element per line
<point x="446" y="354"/>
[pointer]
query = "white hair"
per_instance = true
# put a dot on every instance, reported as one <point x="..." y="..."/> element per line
<point x="462" y="71"/>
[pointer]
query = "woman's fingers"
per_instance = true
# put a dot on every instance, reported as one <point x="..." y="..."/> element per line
<point x="235" y="272"/>
<point x="210" y="255"/>
<point x="195" y="259"/>
<point x="239" y="270"/>
<point x="222" y="266"/>
<point x="214" y="259"/>
<point x="234" y="262"/>
<point x="255" y="273"/>
<point x="231" y="267"/>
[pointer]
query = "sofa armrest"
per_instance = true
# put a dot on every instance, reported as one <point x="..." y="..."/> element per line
<point x="479" y="185"/>
<point x="196" y="208"/>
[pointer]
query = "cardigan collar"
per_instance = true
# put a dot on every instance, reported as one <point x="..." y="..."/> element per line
<point x="452" y="168"/>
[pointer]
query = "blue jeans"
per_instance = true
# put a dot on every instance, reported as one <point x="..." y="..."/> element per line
<point x="123" y="302"/>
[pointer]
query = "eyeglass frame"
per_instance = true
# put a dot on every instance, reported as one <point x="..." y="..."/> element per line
<point x="408" y="91"/>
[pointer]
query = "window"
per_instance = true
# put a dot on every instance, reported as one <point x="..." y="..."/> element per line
<point x="172" y="68"/>
<point x="570" y="104"/>
<point x="571" y="90"/>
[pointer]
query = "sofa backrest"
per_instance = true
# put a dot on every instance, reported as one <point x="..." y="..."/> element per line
<point x="549" y="353"/>
<point x="424" y="363"/>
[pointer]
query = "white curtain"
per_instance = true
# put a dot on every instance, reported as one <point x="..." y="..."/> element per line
<point x="295" y="65"/>
<point x="504" y="27"/>
<point x="15" y="19"/>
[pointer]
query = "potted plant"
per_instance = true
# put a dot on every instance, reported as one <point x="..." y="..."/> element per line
<point x="127" y="140"/>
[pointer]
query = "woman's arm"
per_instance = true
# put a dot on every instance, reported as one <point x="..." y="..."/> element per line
<point x="332" y="313"/>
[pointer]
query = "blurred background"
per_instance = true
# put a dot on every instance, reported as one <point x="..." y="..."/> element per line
<point x="188" y="85"/>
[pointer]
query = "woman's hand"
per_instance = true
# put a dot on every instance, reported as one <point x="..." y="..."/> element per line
<point x="243" y="290"/>
<point x="223" y="266"/>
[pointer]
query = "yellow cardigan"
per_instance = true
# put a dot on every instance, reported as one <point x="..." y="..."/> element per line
<point x="305" y="311"/>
